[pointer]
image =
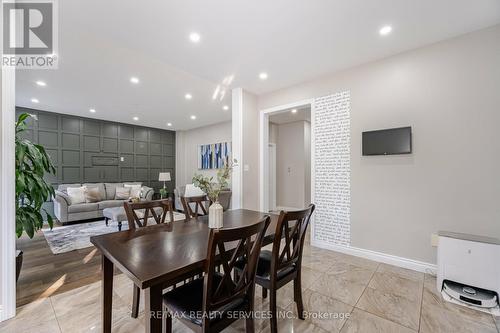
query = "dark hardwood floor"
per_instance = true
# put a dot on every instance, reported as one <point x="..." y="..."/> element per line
<point x="45" y="274"/>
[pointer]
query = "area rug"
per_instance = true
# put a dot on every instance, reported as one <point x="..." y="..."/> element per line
<point x="77" y="236"/>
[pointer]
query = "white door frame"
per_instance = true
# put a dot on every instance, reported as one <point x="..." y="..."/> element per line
<point x="264" y="144"/>
<point x="274" y="180"/>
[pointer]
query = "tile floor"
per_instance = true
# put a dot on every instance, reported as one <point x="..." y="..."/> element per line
<point x="358" y="295"/>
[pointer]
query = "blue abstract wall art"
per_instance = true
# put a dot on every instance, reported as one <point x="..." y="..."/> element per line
<point x="213" y="156"/>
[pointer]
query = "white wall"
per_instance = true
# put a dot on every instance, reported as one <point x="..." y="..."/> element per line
<point x="273" y="133"/>
<point x="187" y="143"/>
<point x="449" y="93"/>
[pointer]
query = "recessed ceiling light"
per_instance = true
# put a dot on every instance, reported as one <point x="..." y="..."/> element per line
<point x="294" y="111"/>
<point x="169" y="124"/>
<point x="385" y="30"/>
<point x="92" y="110"/>
<point x="134" y="80"/>
<point x="194" y="37"/>
<point x="188" y="96"/>
<point x="136" y="118"/>
<point x="263" y="76"/>
<point x="34" y="100"/>
<point x="193" y="117"/>
<point x="41" y="83"/>
<point x="225" y="108"/>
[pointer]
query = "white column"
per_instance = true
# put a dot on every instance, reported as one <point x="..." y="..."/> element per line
<point x="7" y="193"/>
<point x="180" y="159"/>
<point x="237" y="146"/>
<point x="7" y="190"/>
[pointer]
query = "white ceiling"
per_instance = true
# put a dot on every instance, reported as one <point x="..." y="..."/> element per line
<point x="287" y="116"/>
<point x="104" y="43"/>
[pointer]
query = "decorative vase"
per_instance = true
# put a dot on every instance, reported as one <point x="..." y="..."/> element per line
<point x="215" y="215"/>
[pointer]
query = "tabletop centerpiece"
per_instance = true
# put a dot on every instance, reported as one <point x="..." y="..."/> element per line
<point x="212" y="189"/>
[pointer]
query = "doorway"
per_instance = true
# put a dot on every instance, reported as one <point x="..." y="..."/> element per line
<point x="285" y="171"/>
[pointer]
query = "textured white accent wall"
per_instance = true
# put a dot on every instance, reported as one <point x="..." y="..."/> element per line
<point x="332" y="169"/>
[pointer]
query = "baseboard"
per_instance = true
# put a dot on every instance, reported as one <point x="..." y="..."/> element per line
<point x="415" y="265"/>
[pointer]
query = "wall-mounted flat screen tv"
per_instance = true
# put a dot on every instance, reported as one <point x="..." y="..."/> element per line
<point x="391" y="141"/>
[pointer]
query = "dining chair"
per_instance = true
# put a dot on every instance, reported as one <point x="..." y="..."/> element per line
<point x="284" y="264"/>
<point x="199" y="203"/>
<point x="211" y="304"/>
<point x="139" y="215"/>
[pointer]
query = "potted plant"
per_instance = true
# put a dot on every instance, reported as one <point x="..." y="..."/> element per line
<point x="213" y="189"/>
<point x="32" y="163"/>
<point x="163" y="193"/>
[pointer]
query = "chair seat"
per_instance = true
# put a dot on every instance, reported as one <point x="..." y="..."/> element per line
<point x="186" y="301"/>
<point x="264" y="266"/>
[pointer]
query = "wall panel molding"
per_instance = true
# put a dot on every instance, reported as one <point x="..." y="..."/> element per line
<point x="90" y="150"/>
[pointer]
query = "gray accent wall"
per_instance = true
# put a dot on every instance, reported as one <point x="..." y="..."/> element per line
<point x="89" y="150"/>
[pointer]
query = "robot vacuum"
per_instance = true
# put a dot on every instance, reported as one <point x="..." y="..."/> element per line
<point x="470" y="295"/>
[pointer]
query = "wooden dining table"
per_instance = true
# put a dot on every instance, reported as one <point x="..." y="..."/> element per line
<point x="161" y="255"/>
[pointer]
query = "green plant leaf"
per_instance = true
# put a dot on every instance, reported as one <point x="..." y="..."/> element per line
<point x="32" y="190"/>
<point x="28" y="225"/>
<point x="50" y="221"/>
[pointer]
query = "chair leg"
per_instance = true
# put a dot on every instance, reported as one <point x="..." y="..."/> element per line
<point x="167" y="321"/>
<point x="249" y="324"/>
<point x="135" y="301"/>
<point x="264" y="293"/>
<point x="297" y="297"/>
<point x="272" y="309"/>
<point x="106" y="220"/>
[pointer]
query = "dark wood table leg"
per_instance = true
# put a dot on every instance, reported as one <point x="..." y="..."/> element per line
<point x="153" y="309"/>
<point x="107" y="294"/>
<point x="135" y="301"/>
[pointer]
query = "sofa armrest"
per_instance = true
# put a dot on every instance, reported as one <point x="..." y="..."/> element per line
<point x="62" y="198"/>
<point x="61" y="203"/>
<point x="147" y="193"/>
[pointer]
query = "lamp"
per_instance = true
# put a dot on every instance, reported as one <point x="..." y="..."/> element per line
<point x="164" y="177"/>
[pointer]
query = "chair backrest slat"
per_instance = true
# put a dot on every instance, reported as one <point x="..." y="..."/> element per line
<point x="199" y="202"/>
<point x="139" y="213"/>
<point x="225" y="248"/>
<point x="293" y="226"/>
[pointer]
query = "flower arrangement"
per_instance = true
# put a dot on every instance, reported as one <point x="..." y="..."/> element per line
<point x="211" y="188"/>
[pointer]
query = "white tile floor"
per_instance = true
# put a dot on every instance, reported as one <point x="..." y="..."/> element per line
<point x="358" y="294"/>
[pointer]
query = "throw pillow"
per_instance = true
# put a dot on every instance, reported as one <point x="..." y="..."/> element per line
<point x="122" y="193"/>
<point x="92" y="194"/>
<point x="135" y="190"/>
<point x="76" y="195"/>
